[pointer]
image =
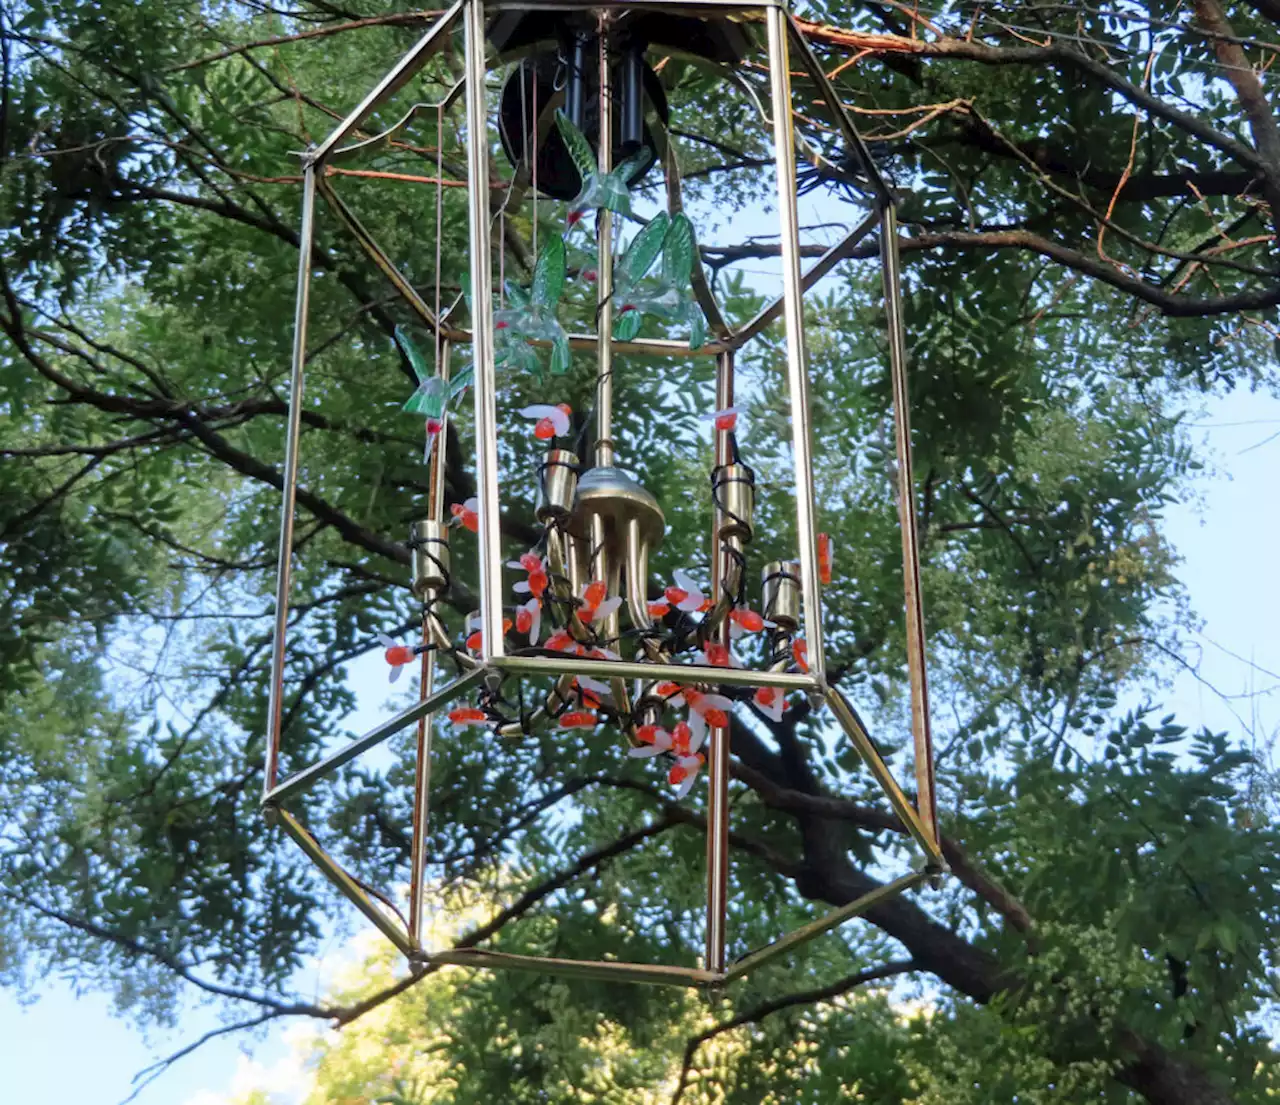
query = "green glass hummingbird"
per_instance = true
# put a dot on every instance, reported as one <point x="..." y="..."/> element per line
<point x="608" y="190"/>
<point x="669" y="296"/>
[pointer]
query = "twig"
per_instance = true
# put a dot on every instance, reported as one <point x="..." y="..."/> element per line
<point x="147" y="1075"/>
<point x="395" y="19"/>
<point x="777" y="1005"/>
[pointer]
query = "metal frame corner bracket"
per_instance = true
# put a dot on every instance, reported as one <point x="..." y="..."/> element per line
<point x="399" y="75"/>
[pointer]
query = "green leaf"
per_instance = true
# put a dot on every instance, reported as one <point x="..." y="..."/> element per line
<point x="548" y="273"/>
<point x="678" y="252"/>
<point x="643" y="249"/>
<point x="697" y="328"/>
<point x="576" y="143"/>
<point x="417" y="361"/>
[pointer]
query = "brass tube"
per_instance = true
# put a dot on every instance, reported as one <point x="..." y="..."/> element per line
<point x="486" y="385"/>
<point x="842" y="250"/>
<point x="378" y="256"/>
<point x="913" y="598"/>
<point x="603" y="568"/>
<point x="421" y="797"/>
<point x="804" y="934"/>
<point x="284" y="558"/>
<point x="726" y="576"/>
<point x="680" y="673"/>
<point x="403" y="72"/>
<point x="440" y="447"/>
<point x="839" y="113"/>
<point x="566" y="571"/>
<point x="604" y="278"/>
<point x="793" y="311"/>
<point x="606" y="970"/>
<point x="637" y="588"/>
<point x="848" y="718"/>
<point x="308" y="777"/>
<point x="590" y="343"/>
<point x="432" y="630"/>
<point x="350" y="889"/>
<point x="577" y="563"/>
<point x="723" y="586"/>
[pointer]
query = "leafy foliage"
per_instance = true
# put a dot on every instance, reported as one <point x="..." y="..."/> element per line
<point x="1110" y="927"/>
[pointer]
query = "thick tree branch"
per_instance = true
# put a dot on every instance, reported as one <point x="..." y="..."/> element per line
<point x="1166" y="302"/>
<point x="787" y="800"/>
<point x="1253" y="100"/>
<point x="1059" y="56"/>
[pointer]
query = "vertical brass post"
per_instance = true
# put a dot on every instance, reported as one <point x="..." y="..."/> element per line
<point x="482" y="336"/>
<point x="422" y="766"/>
<point x="921" y="733"/>
<point x="793" y="312"/>
<point x="718" y="752"/>
<point x="284" y="561"/>
<point x="604" y="277"/>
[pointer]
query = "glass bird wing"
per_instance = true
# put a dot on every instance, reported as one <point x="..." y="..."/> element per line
<point x="678" y="251"/>
<point x="548" y="275"/>
<point x="638" y="258"/>
<point x="516" y="295"/>
<point x="413" y="354"/>
<point x="584" y="160"/>
<point x="429" y="399"/>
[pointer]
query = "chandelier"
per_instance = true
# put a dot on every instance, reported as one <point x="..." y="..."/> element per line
<point x="582" y="118"/>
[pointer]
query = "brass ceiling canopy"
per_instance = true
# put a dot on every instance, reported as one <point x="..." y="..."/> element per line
<point x="715" y="39"/>
<point x="559" y="69"/>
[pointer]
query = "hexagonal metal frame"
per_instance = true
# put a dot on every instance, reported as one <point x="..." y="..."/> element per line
<point x="784" y="41"/>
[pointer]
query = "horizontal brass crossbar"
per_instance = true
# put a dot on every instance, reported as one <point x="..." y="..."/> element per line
<point x="604" y="969"/>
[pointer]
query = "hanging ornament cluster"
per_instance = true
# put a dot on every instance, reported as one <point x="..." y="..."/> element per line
<point x="575" y="634"/>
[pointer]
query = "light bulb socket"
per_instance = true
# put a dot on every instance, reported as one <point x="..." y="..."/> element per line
<point x="733" y="489"/>
<point x="557" y="485"/>
<point x="429" y="544"/>
<point x="780" y="593"/>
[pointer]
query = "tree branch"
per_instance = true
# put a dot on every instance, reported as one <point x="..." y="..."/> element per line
<point x="139" y="950"/>
<point x="1168" y="303"/>
<point x="411" y="19"/>
<point x="1253" y="100"/>
<point x="147" y="1075"/>
<point x="790" y="1001"/>
<point x="1055" y="55"/>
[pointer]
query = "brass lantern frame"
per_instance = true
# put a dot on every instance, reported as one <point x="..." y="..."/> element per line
<point x="784" y="44"/>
